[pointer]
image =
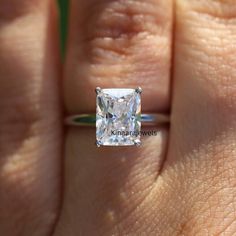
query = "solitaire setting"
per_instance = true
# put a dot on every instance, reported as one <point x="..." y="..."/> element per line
<point x="118" y="112"/>
<point x="118" y="117"/>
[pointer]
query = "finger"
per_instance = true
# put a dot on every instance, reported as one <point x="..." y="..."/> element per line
<point x="203" y="133"/>
<point x="29" y="121"/>
<point x="113" y="44"/>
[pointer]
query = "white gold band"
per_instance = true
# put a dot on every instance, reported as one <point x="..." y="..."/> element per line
<point x="90" y="119"/>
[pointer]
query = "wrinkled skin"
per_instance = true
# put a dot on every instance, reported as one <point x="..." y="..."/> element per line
<point x="55" y="182"/>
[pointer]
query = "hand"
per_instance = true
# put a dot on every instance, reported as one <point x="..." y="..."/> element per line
<point x="57" y="182"/>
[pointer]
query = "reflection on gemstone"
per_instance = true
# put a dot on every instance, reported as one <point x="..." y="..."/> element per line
<point x="118" y="118"/>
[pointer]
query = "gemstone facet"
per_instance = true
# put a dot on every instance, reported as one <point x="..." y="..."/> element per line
<point x="118" y="117"/>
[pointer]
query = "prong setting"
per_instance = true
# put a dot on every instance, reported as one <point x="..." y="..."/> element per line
<point x="138" y="90"/>
<point x="98" y="143"/>
<point x="98" y="90"/>
<point x="137" y="143"/>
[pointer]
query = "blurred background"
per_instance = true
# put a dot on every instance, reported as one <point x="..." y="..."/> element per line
<point x="63" y="6"/>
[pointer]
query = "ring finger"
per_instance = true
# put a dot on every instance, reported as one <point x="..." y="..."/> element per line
<point x="114" y="44"/>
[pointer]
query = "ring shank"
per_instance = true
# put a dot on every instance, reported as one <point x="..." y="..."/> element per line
<point x="90" y="119"/>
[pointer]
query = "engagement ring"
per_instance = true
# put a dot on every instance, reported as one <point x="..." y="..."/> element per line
<point x="118" y="117"/>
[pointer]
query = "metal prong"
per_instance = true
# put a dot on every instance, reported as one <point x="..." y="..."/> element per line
<point x="98" y="143"/>
<point x="138" y="90"/>
<point x="137" y="143"/>
<point x="98" y="90"/>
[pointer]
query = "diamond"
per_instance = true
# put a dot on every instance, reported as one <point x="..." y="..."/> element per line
<point x="118" y="118"/>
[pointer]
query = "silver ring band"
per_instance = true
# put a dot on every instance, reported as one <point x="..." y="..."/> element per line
<point x="90" y="119"/>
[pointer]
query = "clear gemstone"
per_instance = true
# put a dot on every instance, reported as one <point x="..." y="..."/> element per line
<point x="118" y="119"/>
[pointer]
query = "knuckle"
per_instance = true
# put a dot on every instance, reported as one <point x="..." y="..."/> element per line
<point x="124" y="19"/>
<point x="116" y="29"/>
<point x="128" y="39"/>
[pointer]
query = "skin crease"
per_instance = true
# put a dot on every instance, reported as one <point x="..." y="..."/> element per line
<point x="181" y="182"/>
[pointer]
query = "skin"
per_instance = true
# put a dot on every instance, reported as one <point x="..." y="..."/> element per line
<point x="56" y="182"/>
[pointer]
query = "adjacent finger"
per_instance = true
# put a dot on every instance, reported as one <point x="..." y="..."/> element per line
<point x="29" y="121"/>
<point x="203" y="132"/>
<point x="204" y="102"/>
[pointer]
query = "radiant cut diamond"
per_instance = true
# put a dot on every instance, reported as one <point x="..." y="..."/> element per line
<point x="118" y="118"/>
